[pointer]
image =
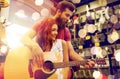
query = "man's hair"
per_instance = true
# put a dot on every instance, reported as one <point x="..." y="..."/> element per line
<point x="62" y="5"/>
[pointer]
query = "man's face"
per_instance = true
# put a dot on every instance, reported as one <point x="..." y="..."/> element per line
<point x="65" y="16"/>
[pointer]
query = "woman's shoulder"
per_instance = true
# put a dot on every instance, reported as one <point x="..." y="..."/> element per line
<point x="62" y="41"/>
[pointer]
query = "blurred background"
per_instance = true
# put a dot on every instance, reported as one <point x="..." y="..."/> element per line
<point x="94" y="27"/>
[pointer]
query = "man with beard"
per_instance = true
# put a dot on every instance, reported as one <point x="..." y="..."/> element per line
<point x="64" y="11"/>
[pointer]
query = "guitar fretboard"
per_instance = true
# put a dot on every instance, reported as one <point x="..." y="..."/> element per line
<point x="69" y="64"/>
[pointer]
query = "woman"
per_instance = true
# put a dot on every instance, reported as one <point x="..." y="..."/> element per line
<point x="46" y="38"/>
<point x="18" y="61"/>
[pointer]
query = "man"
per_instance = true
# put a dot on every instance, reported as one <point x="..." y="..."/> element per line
<point x="64" y="11"/>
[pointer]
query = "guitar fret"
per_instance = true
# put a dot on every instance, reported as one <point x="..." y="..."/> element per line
<point x="68" y="64"/>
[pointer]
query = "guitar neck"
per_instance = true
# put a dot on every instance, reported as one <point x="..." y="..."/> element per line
<point x="69" y="64"/>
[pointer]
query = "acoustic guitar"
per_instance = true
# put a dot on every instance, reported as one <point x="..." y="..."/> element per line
<point x="17" y="65"/>
<point x="50" y="66"/>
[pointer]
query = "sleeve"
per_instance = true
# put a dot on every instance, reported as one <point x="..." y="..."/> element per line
<point x="38" y="24"/>
<point x="67" y="34"/>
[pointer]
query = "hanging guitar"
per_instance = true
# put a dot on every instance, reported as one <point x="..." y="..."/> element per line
<point x="114" y="19"/>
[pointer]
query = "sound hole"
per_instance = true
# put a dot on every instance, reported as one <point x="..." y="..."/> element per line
<point x="48" y="66"/>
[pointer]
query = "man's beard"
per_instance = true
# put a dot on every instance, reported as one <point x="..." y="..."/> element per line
<point x="61" y="23"/>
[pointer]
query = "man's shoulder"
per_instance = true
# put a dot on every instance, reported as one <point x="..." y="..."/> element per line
<point x="67" y="29"/>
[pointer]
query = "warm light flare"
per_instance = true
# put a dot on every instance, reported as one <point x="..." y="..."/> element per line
<point x="39" y="2"/>
<point x="76" y="1"/>
<point x="96" y="51"/>
<point x="21" y="14"/>
<point x="35" y="16"/>
<point x="117" y="55"/>
<point x="82" y="33"/>
<point x="45" y="12"/>
<point x="3" y="50"/>
<point x="96" y="74"/>
<point x="14" y="33"/>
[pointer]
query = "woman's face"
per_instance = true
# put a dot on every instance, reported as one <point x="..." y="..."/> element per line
<point x="54" y="32"/>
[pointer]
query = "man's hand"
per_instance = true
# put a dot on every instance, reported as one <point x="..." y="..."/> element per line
<point x="90" y="64"/>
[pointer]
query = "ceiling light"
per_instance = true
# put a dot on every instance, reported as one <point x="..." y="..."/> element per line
<point x="21" y="13"/>
<point x="45" y="12"/>
<point x="76" y="1"/>
<point x="3" y="49"/>
<point x="38" y="2"/>
<point x="35" y="16"/>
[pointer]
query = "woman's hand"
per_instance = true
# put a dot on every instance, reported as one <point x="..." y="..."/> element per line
<point x="37" y="55"/>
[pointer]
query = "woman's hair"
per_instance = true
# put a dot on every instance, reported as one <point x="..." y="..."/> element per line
<point x="62" y="5"/>
<point x="44" y="33"/>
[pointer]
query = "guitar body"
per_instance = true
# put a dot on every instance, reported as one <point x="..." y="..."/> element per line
<point x="17" y="66"/>
<point x="1" y="70"/>
<point x="40" y="74"/>
<point x="60" y="73"/>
